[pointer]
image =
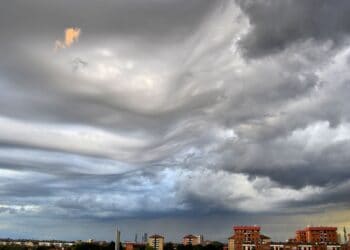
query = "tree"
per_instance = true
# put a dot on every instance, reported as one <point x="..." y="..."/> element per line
<point x="169" y="246"/>
<point x="215" y="245"/>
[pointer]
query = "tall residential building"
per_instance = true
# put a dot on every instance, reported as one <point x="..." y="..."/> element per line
<point x="156" y="242"/>
<point x="310" y="238"/>
<point x="317" y="235"/>
<point x="247" y="234"/>
<point x="193" y="240"/>
<point x="248" y="238"/>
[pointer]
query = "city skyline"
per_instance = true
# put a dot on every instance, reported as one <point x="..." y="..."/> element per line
<point x="173" y="115"/>
<point x="245" y="233"/>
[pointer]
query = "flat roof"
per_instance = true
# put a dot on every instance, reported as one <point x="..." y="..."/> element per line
<point x="246" y="228"/>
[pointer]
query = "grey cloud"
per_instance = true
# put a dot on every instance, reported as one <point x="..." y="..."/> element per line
<point x="278" y="24"/>
<point x="169" y="115"/>
<point x="153" y="20"/>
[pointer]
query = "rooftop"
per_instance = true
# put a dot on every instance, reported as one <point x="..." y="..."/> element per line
<point x="246" y="228"/>
<point x="156" y="236"/>
<point x="190" y="236"/>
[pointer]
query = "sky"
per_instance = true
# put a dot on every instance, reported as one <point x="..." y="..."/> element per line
<point x="173" y="117"/>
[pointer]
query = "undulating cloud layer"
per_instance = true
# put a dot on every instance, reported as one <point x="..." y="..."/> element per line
<point x="173" y="117"/>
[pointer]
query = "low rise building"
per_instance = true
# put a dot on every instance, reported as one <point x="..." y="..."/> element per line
<point x="29" y="243"/>
<point x="134" y="246"/>
<point x="45" y="243"/>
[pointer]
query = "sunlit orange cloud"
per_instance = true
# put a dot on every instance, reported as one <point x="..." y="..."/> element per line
<point x="71" y="35"/>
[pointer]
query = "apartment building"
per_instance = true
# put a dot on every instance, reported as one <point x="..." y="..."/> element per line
<point x="193" y="240"/>
<point x="313" y="235"/>
<point x="156" y="242"/>
<point x="248" y="238"/>
<point x="300" y="236"/>
<point x="310" y="238"/>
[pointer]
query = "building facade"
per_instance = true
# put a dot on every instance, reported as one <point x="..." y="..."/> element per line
<point x="317" y="235"/>
<point x="248" y="238"/>
<point x="193" y="240"/>
<point x="300" y="236"/>
<point x="310" y="238"/>
<point x="156" y="242"/>
<point x="231" y="243"/>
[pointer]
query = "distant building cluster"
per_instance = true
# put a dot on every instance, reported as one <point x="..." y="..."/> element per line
<point x="251" y="238"/>
<point x="37" y="243"/>
<point x="310" y="238"/>
<point x="157" y="242"/>
<point x="242" y="238"/>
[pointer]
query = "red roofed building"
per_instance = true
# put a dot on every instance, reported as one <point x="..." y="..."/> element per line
<point x="300" y="236"/>
<point x="248" y="238"/>
<point x="134" y="246"/>
<point x="317" y="235"/>
<point x="247" y="234"/>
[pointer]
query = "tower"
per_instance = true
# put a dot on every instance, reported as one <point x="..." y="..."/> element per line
<point x="345" y="235"/>
<point x="117" y="239"/>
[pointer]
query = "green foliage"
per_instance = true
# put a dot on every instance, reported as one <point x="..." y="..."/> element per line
<point x="143" y="247"/>
<point x="13" y="247"/>
<point x="215" y="245"/>
<point x="212" y="246"/>
<point x="148" y="247"/>
<point x="41" y="248"/>
<point x="169" y="246"/>
<point x="94" y="246"/>
<point x="197" y="247"/>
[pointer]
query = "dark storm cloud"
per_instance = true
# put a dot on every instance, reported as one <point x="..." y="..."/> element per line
<point x="278" y="24"/>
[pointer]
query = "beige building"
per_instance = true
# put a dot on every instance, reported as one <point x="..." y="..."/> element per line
<point x="156" y="242"/>
<point x="193" y="240"/>
<point x="231" y="243"/>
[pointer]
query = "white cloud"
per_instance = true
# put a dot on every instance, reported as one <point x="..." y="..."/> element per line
<point x="320" y="135"/>
<point x="238" y="192"/>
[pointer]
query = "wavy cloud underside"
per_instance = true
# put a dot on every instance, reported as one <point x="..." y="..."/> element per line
<point x="173" y="109"/>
